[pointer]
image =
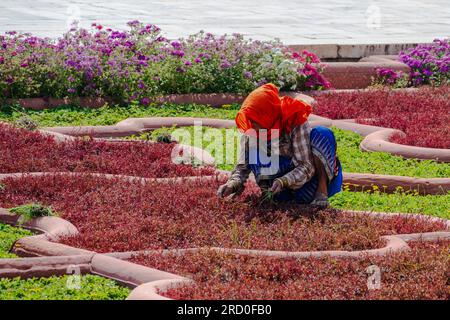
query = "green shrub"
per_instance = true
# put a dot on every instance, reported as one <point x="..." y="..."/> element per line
<point x="32" y="210"/>
<point x="405" y="202"/>
<point x="9" y="235"/>
<point x="56" y="288"/>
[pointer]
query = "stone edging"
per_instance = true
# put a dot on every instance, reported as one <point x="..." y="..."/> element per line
<point x="148" y="282"/>
<point x="376" y="139"/>
<point x="68" y="258"/>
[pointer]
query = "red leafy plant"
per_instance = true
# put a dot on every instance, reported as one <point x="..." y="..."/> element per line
<point x="118" y="215"/>
<point x="421" y="273"/>
<point x="423" y="114"/>
<point x="27" y="151"/>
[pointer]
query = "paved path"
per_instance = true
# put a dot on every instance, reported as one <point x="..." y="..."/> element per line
<point x="294" y="21"/>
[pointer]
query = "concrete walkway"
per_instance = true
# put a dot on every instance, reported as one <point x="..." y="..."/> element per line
<point x="294" y="21"/>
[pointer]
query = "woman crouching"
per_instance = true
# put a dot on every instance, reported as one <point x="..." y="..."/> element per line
<point x="288" y="158"/>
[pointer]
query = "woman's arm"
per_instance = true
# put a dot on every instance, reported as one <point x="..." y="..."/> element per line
<point x="240" y="174"/>
<point x="241" y="171"/>
<point x="302" y="158"/>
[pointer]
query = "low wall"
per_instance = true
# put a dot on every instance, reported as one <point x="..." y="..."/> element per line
<point x="353" y="51"/>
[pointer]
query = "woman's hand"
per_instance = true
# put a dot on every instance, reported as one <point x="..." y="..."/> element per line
<point x="277" y="186"/>
<point x="231" y="188"/>
<point x="225" y="190"/>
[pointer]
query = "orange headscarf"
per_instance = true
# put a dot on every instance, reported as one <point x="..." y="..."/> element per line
<point x="265" y="107"/>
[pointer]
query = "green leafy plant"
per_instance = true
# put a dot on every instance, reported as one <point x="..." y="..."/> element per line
<point x="55" y="288"/>
<point x="267" y="198"/>
<point x="32" y="210"/>
<point x="400" y="201"/>
<point x="9" y="235"/>
<point x="165" y="138"/>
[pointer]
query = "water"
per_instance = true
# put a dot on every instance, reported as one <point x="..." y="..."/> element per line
<point x="293" y="21"/>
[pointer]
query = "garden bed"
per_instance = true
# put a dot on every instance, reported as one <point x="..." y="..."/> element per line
<point x="27" y="151"/>
<point x="352" y="158"/>
<point x="421" y="273"/>
<point x="423" y="114"/>
<point x="400" y="201"/>
<point x="118" y="215"/>
<point x="56" y="288"/>
<point x="8" y="235"/>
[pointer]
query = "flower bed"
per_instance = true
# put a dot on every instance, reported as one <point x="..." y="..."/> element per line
<point x="423" y="114"/>
<point x="27" y="151"/>
<point x="8" y="235"/>
<point x="421" y="273"/>
<point x="141" y="63"/>
<point x="429" y="64"/>
<point x="55" y="288"/>
<point x="118" y="215"/>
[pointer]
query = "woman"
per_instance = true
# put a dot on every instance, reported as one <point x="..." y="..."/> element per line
<point x="308" y="169"/>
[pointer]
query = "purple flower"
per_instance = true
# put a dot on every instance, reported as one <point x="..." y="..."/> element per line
<point x="225" y="64"/>
<point x="178" y="53"/>
<point x="145" y="101"/>
<point x="176" y="44"/>
<point x="71" y="90"/>
<point x="427" y="72"/>
<point x="248" y="75"/>
<point x="187" y="63"/>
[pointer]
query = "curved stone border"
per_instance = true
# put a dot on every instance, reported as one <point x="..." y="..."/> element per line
<point x="389" y="184"/>
<point x="150" y="290"/>
<point x="44" y="266"/>
<point x="57" y="259"/>
<point x="376" y="142"/>
<point x="393" y="242"/>
<point x="379" y="142"/>
<point x="376" y="139"/>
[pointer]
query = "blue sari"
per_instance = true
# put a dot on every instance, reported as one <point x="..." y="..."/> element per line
<point x="323" y="144"/>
